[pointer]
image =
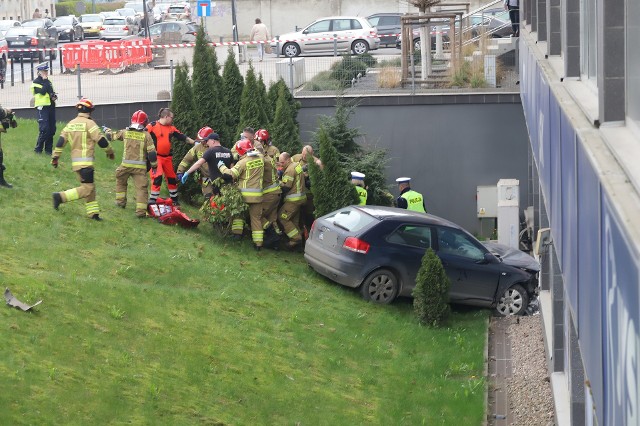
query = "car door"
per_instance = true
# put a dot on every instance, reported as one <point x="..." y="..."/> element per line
<point x="51" y="29"/>
<point x="408" y="244"/>
<point x="316" y="37"/>
<point x="388" y="28"/>
<point x="344" y="31"/>
<point x="473" y="280"/>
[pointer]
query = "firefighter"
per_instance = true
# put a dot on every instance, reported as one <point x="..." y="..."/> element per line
<point x="307" y="210"/>
<point x="271" y="193"/>
<point x="248" y="171"/>
<point x="357" y="179"/>
<point x="83" y="134"/>
<point x="137" y="153"/>
<point x="247" y="134"/>
<point x="44" y="98"/>
<point x="162" y="131"/>
<point x="271" y="150"/>
<point x="409" y="199"/>
<point x="214" y="154"/>
<point x="7" y="120"/>
<point x="193" y="155"/>
<point x="294" y="192"/>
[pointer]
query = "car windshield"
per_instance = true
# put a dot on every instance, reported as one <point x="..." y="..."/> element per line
<point x="114" y="21"/>
<point x="65" y="20"/>
<point x="192" y="28"/>
<point x="90" y="18"/>
<point x="34" y="23"/>
<point x="136" y="6"/>
<point x="350" y="219"/>
<point x="20" y="31"/>
<point x="176" y="9"/>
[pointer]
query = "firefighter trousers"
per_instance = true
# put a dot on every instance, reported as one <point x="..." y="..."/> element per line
<point x="141" y="183"/>
<point x="86" y="190"/>
<point x="289" y="215"/>
<point x="255" y="220"/>
<point x="270" y="203"/>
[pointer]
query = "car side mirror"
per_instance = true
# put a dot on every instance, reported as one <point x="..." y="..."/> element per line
<point x="490" y="258"/>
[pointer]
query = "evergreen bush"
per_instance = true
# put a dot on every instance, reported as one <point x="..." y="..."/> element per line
<point x="348" y="69"/>
<point x="431" y="293"/>
<point x="221" y="209"/>
<point x="233" y="84"/>
<point x="251" y="110"/>
<point x="284" y="130"/>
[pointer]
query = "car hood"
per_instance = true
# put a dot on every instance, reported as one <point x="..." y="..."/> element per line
<point x="512" y="257"/>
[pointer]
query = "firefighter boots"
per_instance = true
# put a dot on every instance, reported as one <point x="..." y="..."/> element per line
<point x="2" y="168"/>
<point x="57" y="200"/>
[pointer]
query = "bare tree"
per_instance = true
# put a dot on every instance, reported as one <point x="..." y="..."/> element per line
<point x="425" y="35"/>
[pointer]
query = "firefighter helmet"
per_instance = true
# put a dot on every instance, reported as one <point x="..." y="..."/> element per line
<point x="85" y="105"/>
<point x="139" y="119"/>
<point x="243" y="147"/>
<point x="204" y="133"/>
<point x="262" y="135"/>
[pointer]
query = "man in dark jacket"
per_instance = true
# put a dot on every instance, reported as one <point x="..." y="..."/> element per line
<point x="45" y="102"/>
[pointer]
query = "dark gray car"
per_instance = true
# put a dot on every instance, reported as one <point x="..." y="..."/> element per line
<point x="380" y="250"/>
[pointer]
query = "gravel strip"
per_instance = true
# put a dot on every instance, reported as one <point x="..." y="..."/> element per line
<point x="529" y="388"/>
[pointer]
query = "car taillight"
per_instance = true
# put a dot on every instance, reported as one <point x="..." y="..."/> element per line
<point x="125" y="28"/>
<point x="103" y="29"/>
<point x="373" y="33"/>
<point x="356" y="245"/>
<point x="34" y="41"/>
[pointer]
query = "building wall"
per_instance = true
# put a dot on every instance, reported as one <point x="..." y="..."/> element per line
<point x="578" y="95"/>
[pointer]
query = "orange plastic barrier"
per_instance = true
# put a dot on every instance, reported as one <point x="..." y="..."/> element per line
<point x="106" y="55"/>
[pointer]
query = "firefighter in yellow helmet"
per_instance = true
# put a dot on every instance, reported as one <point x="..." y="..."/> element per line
<point x="295" y="196"/>
<point x="83" y="134"/>
<point x="138" y="153"/>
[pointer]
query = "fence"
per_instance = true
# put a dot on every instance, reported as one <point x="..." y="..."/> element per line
<point x="115" y="72"/>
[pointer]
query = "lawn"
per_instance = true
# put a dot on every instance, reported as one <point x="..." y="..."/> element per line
<point x="149" y="324"/>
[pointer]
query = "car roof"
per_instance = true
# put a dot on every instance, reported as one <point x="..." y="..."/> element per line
<point x="390" y="213"/>
<point x="386" y="14"/>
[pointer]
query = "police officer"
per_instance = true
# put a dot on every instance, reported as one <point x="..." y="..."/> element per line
<point x="83" y="134"/>
<point x="137" y="153"/>
<point x="45" y="102"/>
<point x="357" y="179"/>
<point x="409" y="199"/>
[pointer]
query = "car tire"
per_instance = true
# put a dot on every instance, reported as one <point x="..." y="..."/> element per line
<point x="82" y="36"/>
<point x="380" y="287"/>
<point x="416" y="45"/>
<point x="291" y="50"/>
<point x="359" y="47"/>
<point x="514" y="301"/>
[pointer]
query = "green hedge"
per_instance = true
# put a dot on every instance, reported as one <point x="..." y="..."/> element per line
<point x="69" y="7"/>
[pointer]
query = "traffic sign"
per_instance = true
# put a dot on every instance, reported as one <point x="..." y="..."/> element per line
<point x="204" y="8"/>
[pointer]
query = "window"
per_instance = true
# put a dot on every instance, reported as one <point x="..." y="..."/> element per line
<point x="633" y="63"/>
<point x="355" y="24"/>
<point x="412" y="235"/>
<point x="392" y="21"/>
<point x="341" y="24"/>
<point x="375" y="21"/>
<point x="458" y="243"/>
<point x="350" y="219"/>
<point x="319" y="27"/>
<point x="588" y="40"/>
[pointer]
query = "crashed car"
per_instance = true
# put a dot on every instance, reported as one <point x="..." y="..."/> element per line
<point x="380" y="249"/>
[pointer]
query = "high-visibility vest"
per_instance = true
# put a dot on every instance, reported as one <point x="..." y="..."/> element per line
<point x="415" y="201"/>
<point x="39" y="99"/>
<point x="362" y="194"/>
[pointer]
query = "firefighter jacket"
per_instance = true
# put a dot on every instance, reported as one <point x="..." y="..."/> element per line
<point x="83" y="134"/>
<point x="248" y="171"/>
<point x="193" y="155"/>
<point x="273" y="151"/>
<point x="292" y="183"/>
<point x="42" y="91"/>
<point x="138" y="148"/>
<point x="270" y="177"/>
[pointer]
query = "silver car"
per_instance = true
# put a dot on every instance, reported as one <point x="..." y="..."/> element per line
<point x="354" y="34"/>
<point x="115" y="29"/>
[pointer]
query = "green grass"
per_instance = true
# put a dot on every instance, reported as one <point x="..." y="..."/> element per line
<point x="148" y="324"/>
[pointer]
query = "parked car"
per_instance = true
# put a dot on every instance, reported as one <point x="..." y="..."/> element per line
<point x="355" y="34"/>
<point x="178" y="12"/>
<point x="69" y="28"/>
<point x="116" y="28"/>
<point x="5" y="25"/>
<point x="380" y="249"/>
<point x="30" y="38"/>
<point x="110" y="14"/>
<point x="91" y="24"/>
<point x="388" y="26"/>
<point x="45" y="23"/>
<point x="159" y="32"/>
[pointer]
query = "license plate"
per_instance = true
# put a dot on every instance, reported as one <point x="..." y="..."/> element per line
<point x="113" y="30"/>
<point x="18" y="43"/>
<point x="328" y="238"/>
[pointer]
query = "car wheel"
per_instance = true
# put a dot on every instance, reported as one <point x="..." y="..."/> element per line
<point x="513" y="301"/>
<point x="291" y="49"/>
<point x="416" y="45"/>
<point x="72" y="38"/>
<point x="359" y="47"/>
<point x="380" y="287"/>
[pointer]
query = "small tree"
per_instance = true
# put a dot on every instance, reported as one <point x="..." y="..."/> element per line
<point x="233" y="84"/>
<point x="338" y="130"/>
<point x="431" y="293"/>
<point x="284" y="130"/>
<point x="372" y="164"/>
<point x="251" y="109"/>
<point x="222" y="208"/>
<point x="331" y="186"/>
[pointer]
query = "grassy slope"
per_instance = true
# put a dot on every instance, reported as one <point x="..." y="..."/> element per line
<point x="146" y="323"/>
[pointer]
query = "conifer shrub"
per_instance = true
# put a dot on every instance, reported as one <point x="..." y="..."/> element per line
<point x="221" y="209"/>
<point x="284" y="130"/>
<point x="233" y="83"/>
<point x="431" y="293"/>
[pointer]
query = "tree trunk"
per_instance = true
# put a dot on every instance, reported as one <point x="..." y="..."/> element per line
<point x="425" y="50"/>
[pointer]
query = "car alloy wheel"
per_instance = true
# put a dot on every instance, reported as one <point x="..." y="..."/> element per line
<point x="381" y="287"/>
<point x="290" y="50"/>
<point x="360" y="47"/>
<point x="514" y="301"/>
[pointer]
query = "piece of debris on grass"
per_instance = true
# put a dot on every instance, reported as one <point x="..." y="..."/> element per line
<point x="12" y="301"/>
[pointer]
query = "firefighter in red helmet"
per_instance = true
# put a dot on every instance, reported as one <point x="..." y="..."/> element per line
<point x="138" y="154"/>
<point x="193" y="155"/>
<point x="271" y="150"/>
<point x="83" y="134"/>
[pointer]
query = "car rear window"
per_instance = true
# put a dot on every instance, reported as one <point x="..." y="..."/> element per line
<point x="111" y="21"/>
<point x="355" y="24"/>
<point x="18" y="31"/>
<point x="350" y="219"/>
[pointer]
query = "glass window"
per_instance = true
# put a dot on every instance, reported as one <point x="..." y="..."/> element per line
<point x="633" y="63"/>
<point x="412" y="235"/>
<point x="458" y="243"/>
<point x="355" y="24"/>
<point x="588" y="39"/>
<point x="390" y="21"/>
<point x="374" y="21"/>
<point x="350" y="219"/>
<point x="319" y="27"/>
<point x="341" y="24"/>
